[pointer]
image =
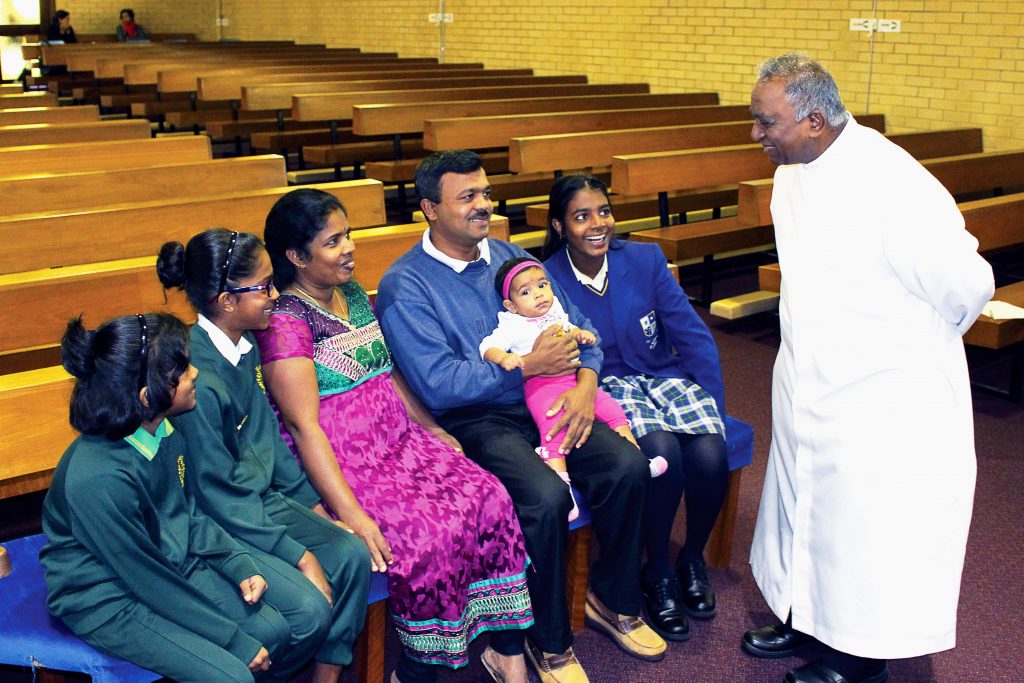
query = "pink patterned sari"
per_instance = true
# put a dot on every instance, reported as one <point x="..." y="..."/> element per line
<point x="460" y="558"/>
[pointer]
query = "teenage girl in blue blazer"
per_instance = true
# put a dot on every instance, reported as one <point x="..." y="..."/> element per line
<point x="661" y="364"/>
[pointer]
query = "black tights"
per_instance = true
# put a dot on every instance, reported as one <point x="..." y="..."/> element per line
<point x="506" y="643"/>
<point x="697" y="464"/>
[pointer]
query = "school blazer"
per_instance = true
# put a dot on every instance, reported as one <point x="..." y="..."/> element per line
<point x="658" y="332"/>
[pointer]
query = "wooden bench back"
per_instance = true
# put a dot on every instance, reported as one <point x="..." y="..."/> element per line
<point x="233" y="87"/>
<point x="178" y="79"/>
<point x="82" y="114"/>
<point x="94" y="156"/>
<point x="679" y="170"/>
<point x="595" y="149"/>
<point x="34" y="404"/>
<point x="481" y="132"/>
<point x="139" y="228"/>
<point x="28" y="99"/>
<point x="960" y="175"/>
<point x="38" y="304"/>
<point x="64" y="133"/>
<point x="390" y="119"/>
<point x="65" y="192"/>
<point x="274" y="94"/>
<point x="335" y="106"/>
<point x="274" y="91"/>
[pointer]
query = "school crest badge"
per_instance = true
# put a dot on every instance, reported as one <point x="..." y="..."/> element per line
<point x="649" y="324"/>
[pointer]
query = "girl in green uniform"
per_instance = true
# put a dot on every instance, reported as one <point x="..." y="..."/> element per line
<point x="246" y="478"/>
<point x="131" y="566"/>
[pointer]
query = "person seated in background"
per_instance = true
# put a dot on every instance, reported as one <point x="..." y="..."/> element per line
<point x="60" y="28"/>
<point x="129" y="30"/>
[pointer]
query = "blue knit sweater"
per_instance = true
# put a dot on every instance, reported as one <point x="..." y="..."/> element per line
<point x="434" y="320"/>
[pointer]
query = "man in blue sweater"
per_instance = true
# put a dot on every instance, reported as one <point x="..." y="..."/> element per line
<point x="436" y="303"/>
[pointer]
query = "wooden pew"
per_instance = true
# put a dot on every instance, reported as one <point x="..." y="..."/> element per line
<point x="272" y="92"/>
<point x="480" y="132"/>
<point x="61" y="133"/>
<point x="595" y="148"/>
<point x="15" y="117"/>
<point x="69" y="191"/>
<point x="336" y="106"/>
<point x="961" y="175"/>
<point x="234" y="87"/>
<point x="693" y="169"/>
<point x="27" y="99"/>
<point x="181" y="79"/>
<point x="221" y="93"/>
<point x="277" y="119"/>
<point x="90" y="156"/>
<point x="406" y="118"/>
<point x="37" y="304"/>
<point x="660" y="172"/>
<point x="139" y="228"/>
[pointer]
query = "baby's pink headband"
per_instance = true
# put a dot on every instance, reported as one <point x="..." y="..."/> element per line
<point x="515" y="270"/>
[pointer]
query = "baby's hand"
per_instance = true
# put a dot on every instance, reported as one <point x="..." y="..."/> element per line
<point x="511" y="361"/>
<point x="583" y="336"/>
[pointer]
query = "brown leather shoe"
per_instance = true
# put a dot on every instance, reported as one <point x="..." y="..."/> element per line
<point x="631" y="634"/>
<point x="563" y="668"/>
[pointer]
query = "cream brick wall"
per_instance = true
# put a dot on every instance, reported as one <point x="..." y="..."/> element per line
<point x="956" y="63"/>
<point x="159" y="16"/>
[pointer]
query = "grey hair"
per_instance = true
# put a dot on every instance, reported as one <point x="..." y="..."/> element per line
<point x="809" y="86"/>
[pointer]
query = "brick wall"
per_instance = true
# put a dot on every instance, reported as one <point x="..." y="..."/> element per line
<point x="159" y="16"/>
<point x="954" y="64"/>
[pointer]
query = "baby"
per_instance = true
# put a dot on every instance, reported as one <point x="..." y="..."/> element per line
<point x="531" y="308"/>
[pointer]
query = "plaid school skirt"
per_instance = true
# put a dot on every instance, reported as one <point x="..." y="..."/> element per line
<point x="665" y="404"/>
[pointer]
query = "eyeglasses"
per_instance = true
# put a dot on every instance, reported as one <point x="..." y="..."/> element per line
<point x="143" y="349"/>
<point x="264" y="287"/>
<point x="227" y="263"/>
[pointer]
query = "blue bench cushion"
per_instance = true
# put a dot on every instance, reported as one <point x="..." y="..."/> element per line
<point x="30" y="637"/>
<point x="739" y="438"/>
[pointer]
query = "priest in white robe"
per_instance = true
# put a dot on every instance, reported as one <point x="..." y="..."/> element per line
<point x="867" y="499"/>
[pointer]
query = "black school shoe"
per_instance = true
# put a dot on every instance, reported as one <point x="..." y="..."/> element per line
<point x="698" y="595"/>
<point x="665" y="612"/>
<point x="820" y="672"/>
<point x="775" y="641"/>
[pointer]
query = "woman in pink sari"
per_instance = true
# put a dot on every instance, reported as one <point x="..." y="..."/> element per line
<point x="442" y="527"/>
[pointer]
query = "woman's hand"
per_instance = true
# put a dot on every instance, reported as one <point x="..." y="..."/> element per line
<point x="447" y="438"/>
<point x="311" y="569"/>
<point x="261" y="662"/>
<point x="253" y="589"/>
<point x="577" y="407"/>
<point x="367" y="530"/>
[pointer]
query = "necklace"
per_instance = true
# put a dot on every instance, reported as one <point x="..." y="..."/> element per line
<point x="337" y="306"/>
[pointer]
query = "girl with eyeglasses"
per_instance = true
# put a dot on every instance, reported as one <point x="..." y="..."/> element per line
<point x="131" y="567"/>
<point x="245" y="477"/>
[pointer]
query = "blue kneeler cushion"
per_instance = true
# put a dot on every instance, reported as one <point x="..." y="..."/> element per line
<point x="30" y="637"/>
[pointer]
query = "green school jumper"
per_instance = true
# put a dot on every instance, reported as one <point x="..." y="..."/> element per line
<point x="245" y="477"/>
<point x="134" y="570"/>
